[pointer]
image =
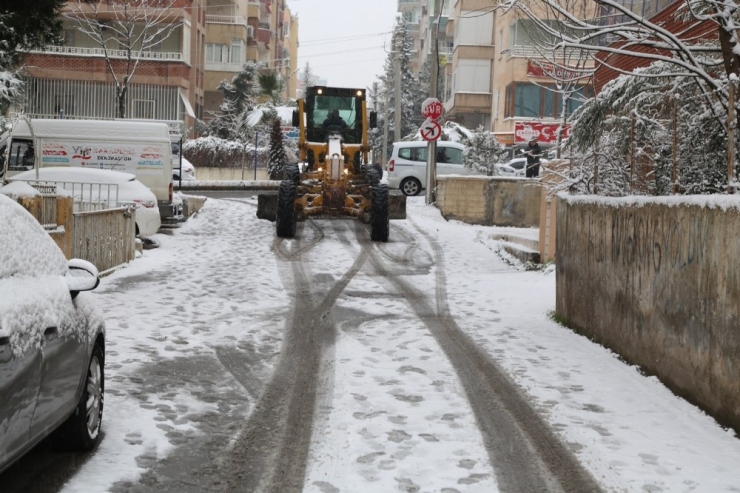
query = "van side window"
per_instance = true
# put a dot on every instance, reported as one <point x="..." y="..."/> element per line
<point x="404" y="153"/>
<point x="420" y="154"/>
<point x="454" y="156"/>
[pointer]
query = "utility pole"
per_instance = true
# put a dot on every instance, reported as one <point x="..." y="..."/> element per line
<point x="385" y="124"/>
<point x="731" y="136"/>
<point x="375" y="109"/>
<point x="397" y="71"/>
<point x="432" y="147"/>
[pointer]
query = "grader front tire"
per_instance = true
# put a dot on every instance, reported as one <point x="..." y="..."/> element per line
<point x="379" y="220"/>
<point x="285" y="219"/>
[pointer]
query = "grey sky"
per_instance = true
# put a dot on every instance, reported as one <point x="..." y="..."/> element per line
<point x="343" y="40"/>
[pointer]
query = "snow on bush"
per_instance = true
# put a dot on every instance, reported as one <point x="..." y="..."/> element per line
<point x="214" y="152"/>
<point x="483" y="152"/>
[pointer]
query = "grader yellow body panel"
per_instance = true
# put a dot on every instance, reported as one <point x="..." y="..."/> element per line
<point x="336" y="179"/>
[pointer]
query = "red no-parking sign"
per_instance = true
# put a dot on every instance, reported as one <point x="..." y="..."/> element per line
<point x="430" y="130"/>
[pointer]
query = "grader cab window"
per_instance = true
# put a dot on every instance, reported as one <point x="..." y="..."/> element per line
<point x="334" y="114"/>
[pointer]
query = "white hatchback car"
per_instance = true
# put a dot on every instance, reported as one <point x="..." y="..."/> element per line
<point x="130" y="190"/>
<point x="407" y="168"/>
<point x="515" y="167"/>
<point x="188" y="171"/>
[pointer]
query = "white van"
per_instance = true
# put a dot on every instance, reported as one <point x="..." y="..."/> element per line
<point x="407" y="168"/>
<point x="140" y="148"/>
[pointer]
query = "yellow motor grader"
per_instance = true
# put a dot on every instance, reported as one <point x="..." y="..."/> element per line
<point x="336" y="179"/>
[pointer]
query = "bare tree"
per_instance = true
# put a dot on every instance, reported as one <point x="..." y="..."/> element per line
<point x="711" y="63"/>
<point x="126" y="32"/>
<point x="619" y="31"/>
<point x="569" y="69"/>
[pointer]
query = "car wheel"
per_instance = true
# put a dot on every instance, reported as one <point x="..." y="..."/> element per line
<point x="410" y="186"/>
<point x="81" y="430"/>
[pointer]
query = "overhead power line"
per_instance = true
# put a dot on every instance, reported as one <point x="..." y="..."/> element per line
<point x="347" y="38"/>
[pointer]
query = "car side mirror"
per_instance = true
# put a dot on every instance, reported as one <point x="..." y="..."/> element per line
<point x="296" y="120"/>
<point x="373" y="119"/>
<point x="81" y="275"/>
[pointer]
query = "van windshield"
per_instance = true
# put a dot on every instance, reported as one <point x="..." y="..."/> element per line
<point x="21" y="156"/>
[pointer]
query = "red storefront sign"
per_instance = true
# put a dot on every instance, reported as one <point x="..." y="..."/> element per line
<point x="546" y="133"/>
<point x="547" y="69"/>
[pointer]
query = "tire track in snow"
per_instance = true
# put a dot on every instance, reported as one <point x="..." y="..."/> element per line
<point x="271" y="453"/>
<point x="524" y="452"/>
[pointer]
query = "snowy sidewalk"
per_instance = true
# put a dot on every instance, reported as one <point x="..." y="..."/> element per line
<point x="392" y="414"/>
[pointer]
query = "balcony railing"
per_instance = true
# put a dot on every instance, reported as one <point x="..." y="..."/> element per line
<point x="99" y="52"/>
<point x="224" y="67"/>
<point x="237" y="20"/>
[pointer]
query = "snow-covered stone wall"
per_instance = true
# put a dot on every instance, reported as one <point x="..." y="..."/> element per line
<point x="657" y="281"/>
<point x="489" y="201"/>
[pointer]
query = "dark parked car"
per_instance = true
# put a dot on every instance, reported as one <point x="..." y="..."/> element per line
<point x="51" y="341"/>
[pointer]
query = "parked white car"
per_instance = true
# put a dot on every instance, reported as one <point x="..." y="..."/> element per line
<point x="407" y="168"/>
<point x="130" y="191"/>
<point x="515" y="167"/>
<point x="188" y="171"/>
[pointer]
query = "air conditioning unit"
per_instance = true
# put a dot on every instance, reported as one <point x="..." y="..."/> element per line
<point x="250" y="32"/>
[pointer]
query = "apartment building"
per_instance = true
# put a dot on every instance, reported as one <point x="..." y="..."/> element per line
<point x="494" y="74"/>
<point x="239" y="30"/>
<point x="418" y="16"/>
<point x="74" y="80"/>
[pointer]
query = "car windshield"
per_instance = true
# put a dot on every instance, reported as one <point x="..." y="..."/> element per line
<point x="519" y="164"/>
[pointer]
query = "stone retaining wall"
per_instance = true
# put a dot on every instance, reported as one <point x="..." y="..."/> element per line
<point x="489" y="200"/>
<point x="657" y="281"/>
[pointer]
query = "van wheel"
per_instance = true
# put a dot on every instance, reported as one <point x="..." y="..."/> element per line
<point x="410" y="186"/>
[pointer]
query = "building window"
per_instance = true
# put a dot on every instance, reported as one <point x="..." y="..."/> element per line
<point x="69" y="37"/>
<point x="143" y="108"/>
<point x="533" y="101"/>
<point x="217" y="53"/>
<point x="237" y="50"/>
<point x="64" y="105"/>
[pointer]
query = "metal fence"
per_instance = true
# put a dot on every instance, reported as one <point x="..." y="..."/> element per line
<point x="105" y="238"/>
<point x="86" y="196"/>
<point x="47" y="211"/>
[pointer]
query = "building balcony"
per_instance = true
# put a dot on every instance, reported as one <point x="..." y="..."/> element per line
<point x="408" y="5"/>
<point x="99" y="52"/>
<point x="236" y="20"/>
<point x="469" y="102"/>
<point x="263" y="35"/>
<point x="224" y="67"/>
<point x="254" y="10"/>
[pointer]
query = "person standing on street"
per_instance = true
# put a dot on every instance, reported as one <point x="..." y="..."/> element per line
<point x="533" y="153"/>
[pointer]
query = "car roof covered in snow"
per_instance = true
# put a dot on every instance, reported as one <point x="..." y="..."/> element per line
<point x="80" y="175"/>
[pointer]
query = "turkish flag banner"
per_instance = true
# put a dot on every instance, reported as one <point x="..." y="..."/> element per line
<point x="546" y="133"/>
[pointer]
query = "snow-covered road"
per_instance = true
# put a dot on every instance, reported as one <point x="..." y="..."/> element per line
<point x="196" y="330"/>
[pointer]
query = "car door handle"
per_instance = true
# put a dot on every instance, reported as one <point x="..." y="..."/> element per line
<point x="50" y="333"/>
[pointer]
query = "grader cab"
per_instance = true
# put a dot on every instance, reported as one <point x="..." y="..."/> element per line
<point x="336" y="179"/>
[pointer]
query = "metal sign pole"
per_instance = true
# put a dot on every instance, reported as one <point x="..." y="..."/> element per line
<point x="432" y="147"/>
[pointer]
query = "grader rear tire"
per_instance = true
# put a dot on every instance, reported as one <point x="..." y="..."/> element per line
<point x="285" y="219"/>
<point x="379" y="221"/>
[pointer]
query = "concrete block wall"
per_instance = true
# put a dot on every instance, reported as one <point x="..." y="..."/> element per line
<point x="489" y="200"/>
<point x="657" y="281"/>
